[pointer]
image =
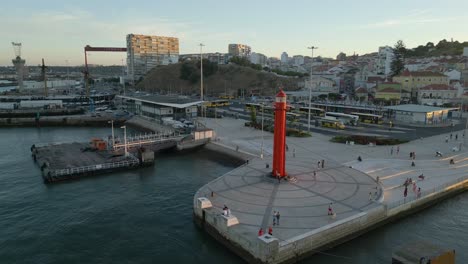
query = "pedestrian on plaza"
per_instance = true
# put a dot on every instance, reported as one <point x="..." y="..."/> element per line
<point x="294" y="152"/>
<point x="411" y="155"/>
<point x="376" y="195"/>
<point x="450" y="136"/>
<point x="287" y="148"/>
<point x="260" y="232"/>
<point x="456" y="136"/>
<point x="419" y="192"/>
<point x="397" y="150"/>
<point x="359" y="158"/>
<point x="405" y="193"/>
<point x="446" y="139"/>
<point x="270" y="231"/>
<point x="414" y="155"/>
<point x="463" y="134"/>
<point x="330" y="210"/>
<point x="391" y="151"/>
<point x="274" y="218"/>
<point x="414" y="187"/>
<point x="278" y="217"/>
<point x="370" y="196"/>
<point x="315" y="176"/>
<point x="323" y="164"/>
<point x="412" y="164"/>
<point x="318" y="164"/>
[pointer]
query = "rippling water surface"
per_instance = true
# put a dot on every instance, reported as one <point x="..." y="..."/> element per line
<point x="145" y="216"/>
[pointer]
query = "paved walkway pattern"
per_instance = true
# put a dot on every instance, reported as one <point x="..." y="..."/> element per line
<point x="349" y="185"/>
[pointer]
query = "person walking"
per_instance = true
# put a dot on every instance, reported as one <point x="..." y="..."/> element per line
<point x="370" y="196"/>
<point x="330" y="210"/>
<point x="414" y="187"/>
<point x="318" y="164"/>
<point x="450" y="136"/>
<point x="278" y="217"/>
<point x="391" y="151"/>
<point x="274" y="218"/>
<point x="397" y="150"/>
<point x="405" y="193"/>
<point x="414" y="155"/>
<point x="315" y="176"/>
<point x="323" y="164"/>
<point x="446" y="139"/>
<point x="419" y="192"/>
<point x="456" y="136"/>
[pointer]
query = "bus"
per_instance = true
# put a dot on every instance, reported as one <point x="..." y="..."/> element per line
<point x="332" y="123"/>
<point x="293" y="117"/>
<point x="230" y="97"/>
<point x="369" y="118"/>
<point x="345" y="118"/>
<point x="216" y="103"/>
<point x="313" y="111"/>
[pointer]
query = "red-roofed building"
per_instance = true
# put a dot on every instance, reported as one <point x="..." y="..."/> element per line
<point x="437" y="94"/>
<point x="361" y="93"/>
<point x="413" y="81"/>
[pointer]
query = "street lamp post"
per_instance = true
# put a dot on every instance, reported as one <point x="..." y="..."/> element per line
<point x="113" y="138"/>
<point x="201" y="78"/>
<point x="125" y="139"/>
<point x="261" y="153"/>
<point x="310" y="87"/>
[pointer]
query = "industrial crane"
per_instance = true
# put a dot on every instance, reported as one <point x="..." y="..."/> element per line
<point x="86" y="70"/>
<point x="44" y="77"/>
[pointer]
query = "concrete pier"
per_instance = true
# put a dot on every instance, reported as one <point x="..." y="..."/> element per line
<point x="363" y="195"/>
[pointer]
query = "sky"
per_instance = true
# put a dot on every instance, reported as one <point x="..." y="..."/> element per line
<point x="58" y="30"/>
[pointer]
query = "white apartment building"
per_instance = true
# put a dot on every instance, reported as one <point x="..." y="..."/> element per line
<point x="437" y="94"/>
<point x="384" y="60"/>
<point x="298" y="60"/>
<point x="239" y="50"/>
<point x="146" y="52"/>
<point x="284" y="58"/>
<point x="258" y="58"/>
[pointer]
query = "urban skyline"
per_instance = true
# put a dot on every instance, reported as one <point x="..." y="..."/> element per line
<point x="58" y="32"/>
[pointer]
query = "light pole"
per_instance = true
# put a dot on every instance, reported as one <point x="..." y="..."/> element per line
<point x="261" y="153"/>
<point x="125" y="139"/>
<point x="113" y="138"/>
<point x="123" y="76"/>
<point x="310" y="87"/>
<point x="201" y="71"/>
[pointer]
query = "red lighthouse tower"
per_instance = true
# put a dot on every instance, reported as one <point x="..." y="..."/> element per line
<point x="279" y="144"/>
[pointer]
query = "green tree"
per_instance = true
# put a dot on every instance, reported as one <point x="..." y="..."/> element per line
<point x="397" y="64"/>
<point x="253" y="115"/>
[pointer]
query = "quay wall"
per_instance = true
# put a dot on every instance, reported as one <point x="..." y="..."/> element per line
<point x="292" y="250"/>
<point x="229" y="151"/>
<point x="65" y="121"/>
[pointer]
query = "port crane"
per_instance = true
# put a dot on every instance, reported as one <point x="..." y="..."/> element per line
<point x="88" y="48"/>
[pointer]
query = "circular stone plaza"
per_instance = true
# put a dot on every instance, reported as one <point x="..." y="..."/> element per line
<point x="362" y="195"/>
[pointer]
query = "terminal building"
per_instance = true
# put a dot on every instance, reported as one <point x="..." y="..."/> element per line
<point x="420" y="114"/>
<point x="158" y="107"/>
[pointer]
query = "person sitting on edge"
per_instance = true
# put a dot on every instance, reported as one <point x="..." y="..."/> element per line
<point x="260" y="232"/>
<point x="421" y="177"/>
<point x="359" y="158"/>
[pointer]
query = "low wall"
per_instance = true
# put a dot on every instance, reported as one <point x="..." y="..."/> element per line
<point x="230" y="151"/>
<point x="65" y="121"/>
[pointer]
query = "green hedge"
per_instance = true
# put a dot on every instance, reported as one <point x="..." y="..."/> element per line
<point x="364" y="140"/>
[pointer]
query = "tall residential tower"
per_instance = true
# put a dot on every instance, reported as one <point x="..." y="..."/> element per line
<point x="146" y="52"/>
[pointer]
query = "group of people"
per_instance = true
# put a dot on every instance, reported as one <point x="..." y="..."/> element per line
<point x="321" y="164"/>
<point x="270" y="231"/>
<point x="416" y="190"/>
<point x="397" y="150"/>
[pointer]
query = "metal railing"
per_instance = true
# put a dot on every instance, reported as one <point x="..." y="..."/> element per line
<point x="148" y="139"/>
<point x="97" y="167"/>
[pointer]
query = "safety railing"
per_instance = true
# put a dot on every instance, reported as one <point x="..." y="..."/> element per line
<point x="104" y="166"/>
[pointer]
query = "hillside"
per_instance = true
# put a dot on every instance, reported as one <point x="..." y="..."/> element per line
<point x="224" y="78"/>
<point x="443" y="48"/>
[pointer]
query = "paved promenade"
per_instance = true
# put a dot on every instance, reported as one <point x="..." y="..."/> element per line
<point x="350" y="186"/>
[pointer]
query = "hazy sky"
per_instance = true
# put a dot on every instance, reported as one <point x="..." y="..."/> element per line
<point x="58" y="30"/>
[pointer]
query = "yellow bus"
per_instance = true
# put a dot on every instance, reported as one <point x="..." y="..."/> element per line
<point x="313" y="111"/>
<point x="332" y="123"/>
<point x="229" y="97"/>
<point x="216" y="103"/>
<point x="369" y="118"/>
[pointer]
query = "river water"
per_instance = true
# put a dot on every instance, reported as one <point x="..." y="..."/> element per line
<point x="145" y="216"/>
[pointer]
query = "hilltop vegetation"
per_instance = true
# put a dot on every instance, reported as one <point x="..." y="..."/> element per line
<point x="218" y="79"/>
<point x="443" y="48"/>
